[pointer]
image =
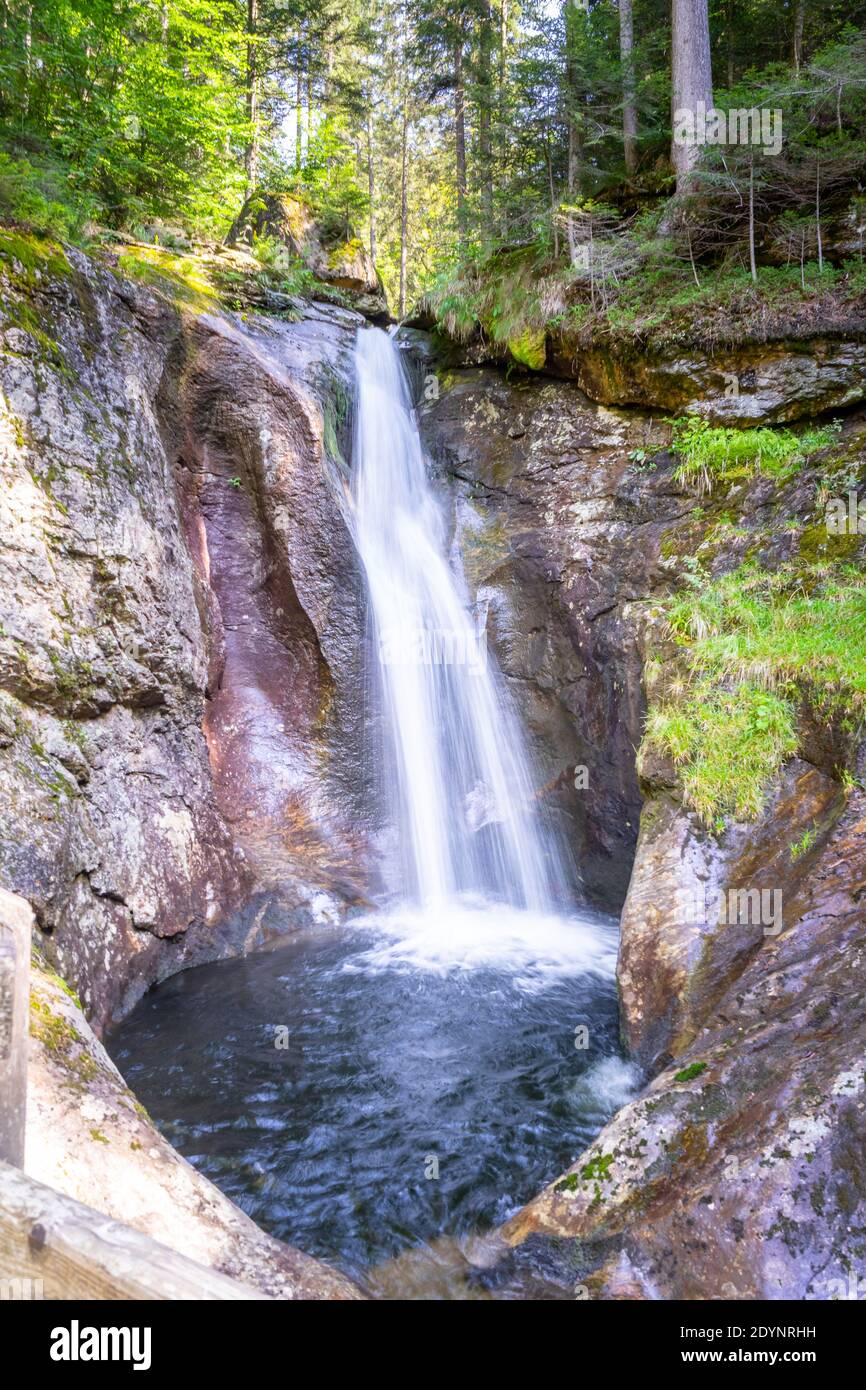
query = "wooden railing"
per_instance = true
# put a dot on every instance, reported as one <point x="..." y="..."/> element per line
<point x="52" y="1246"/>
<point x="15" y="926"/>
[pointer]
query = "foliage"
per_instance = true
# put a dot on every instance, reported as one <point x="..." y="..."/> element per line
<point x="138" y="104"/>
<point x="477" y="145"/>
<point x="711" y="453"/>
<point x="37" y="196"/>
<point x="756" y="644"/>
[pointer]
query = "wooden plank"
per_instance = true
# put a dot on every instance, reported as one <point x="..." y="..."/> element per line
<point x="61" y="1249"/>
<point x="16" y="921"/>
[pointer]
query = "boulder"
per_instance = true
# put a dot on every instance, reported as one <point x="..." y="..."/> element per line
<point x="335" y="256"/>
<point x="737" y="1173"/>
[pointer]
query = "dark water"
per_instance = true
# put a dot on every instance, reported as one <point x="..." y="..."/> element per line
<point x="333" y="1142"/>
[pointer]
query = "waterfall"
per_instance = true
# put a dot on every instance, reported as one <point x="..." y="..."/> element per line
<point x="463" y="797"/>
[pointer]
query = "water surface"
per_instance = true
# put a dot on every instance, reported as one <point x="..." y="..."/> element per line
<point x="405" y="1059"/>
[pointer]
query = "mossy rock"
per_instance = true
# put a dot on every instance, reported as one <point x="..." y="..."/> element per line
<point x="529" y="349"/>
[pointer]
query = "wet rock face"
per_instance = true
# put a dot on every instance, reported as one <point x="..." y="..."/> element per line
<point x="173" y="546"/>
<point x="561" y="544"/>
<point x="738" y="1172"/>
<point x="265" y="480"/>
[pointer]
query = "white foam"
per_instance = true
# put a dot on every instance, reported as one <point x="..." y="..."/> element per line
<point x="534" y="949"/>
<point x="605" y="1088"/>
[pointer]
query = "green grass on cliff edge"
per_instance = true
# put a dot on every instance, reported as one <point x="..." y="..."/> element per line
<point x="756" y="645"/>
<point x="717" y="453"/>
<point x="519" y="295"/>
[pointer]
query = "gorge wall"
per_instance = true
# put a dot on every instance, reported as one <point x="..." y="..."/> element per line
<point x="179" y="721"/>
<point x="734" y="1174"/>
<point x="181" y="730"/>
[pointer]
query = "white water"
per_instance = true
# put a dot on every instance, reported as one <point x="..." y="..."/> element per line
<point x="463" y="801"/>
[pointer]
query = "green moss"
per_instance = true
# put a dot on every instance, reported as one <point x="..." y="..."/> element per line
<point x="528" y="348"/>
<point x="26" y="258"/>
<point x="98" y="1137"/>
<point x="73" y="682"/>
<point x="85" y="1067"/>
<point x="54" y="1031"/>
<point x="182" y="278"/>
<point x="816" y="543"/>
<point x="598" y="1168"/>
<point x="689" y="1073"/>
<point x="57" y="1033"/>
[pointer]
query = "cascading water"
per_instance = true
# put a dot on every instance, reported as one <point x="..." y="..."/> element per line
<point x="442" y="1024"/>
<point x="463" y="796"/>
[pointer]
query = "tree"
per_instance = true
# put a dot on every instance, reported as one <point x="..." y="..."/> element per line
<point x="691" y="77"/>
<point x="629" y="110"/>
<point x="252" y="152"/>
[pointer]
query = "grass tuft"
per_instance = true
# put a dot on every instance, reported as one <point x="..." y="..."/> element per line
<point x="710" y="454"/>
<point x="756" y="646"/>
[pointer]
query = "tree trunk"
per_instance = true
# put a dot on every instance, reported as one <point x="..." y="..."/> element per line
<point x="691" y="77"/>
<point x="574" y="141"/>
<point x="371" y="183"/>
<point x="404" y="208"/>
<point x="799" y="21"/>
<point x="251" y="160"/>
<point x="460" y="133"/>
<point x="502" y="105"/>
<point x="299" y="101"/>
<point x="485" y="110"/>
<point x="552" y="189"/>
<point x="629" y="110"/>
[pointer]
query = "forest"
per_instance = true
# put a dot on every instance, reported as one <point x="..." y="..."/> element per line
<point x="467" y="143"/>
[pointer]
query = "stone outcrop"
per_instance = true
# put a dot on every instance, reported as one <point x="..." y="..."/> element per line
<point x="334" y="255"/>
<point x="738" y="1172"/>
<point x="674" y="965"/>
<point x="794" y="371"/>
<point x="760" y="383"/>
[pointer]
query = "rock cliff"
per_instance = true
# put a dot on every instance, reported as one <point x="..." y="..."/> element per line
<point x="180" y="604"/>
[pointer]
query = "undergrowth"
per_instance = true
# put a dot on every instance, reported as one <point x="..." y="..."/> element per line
<point x="710" y="453"/>
<point x="645" y="295"/>
<point x="756" y="645"/>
